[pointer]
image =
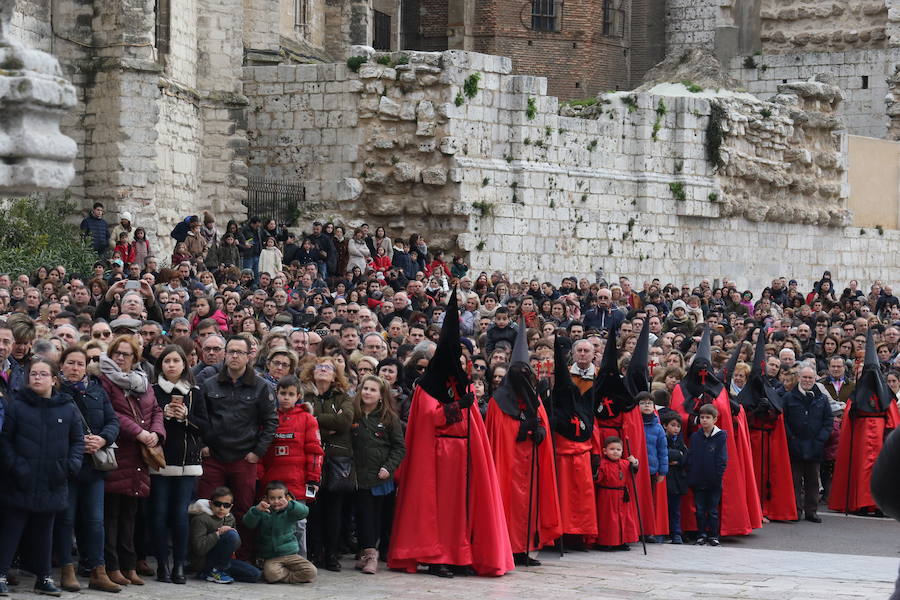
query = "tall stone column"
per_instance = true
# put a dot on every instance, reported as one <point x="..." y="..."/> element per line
<point x="34" y="154"/>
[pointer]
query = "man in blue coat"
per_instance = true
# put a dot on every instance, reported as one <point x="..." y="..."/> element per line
<point x="94" y="227"/>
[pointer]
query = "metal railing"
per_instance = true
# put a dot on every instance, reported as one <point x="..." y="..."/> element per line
<point x="279" y="200"/>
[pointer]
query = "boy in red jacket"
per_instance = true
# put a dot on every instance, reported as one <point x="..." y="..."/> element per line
<point x="295" y="456"/>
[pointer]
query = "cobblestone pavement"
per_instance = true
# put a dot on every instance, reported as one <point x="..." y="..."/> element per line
<point x="670" y="572"/>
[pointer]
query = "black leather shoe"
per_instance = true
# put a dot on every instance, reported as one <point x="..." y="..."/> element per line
<point x="162" y="574"/>
<point x="178" y="574"/>
<point x="333" y="564"/>
<point x="440" y="571"/>
<point x="46" y="587"/>
<point x="813" y="518"/>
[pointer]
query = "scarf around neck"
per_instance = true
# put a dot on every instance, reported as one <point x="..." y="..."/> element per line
<point x="134" y="381"/>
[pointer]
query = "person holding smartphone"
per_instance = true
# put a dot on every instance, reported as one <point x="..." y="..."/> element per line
<point x="185" y="420"/>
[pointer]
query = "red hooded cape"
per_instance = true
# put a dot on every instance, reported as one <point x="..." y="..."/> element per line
<point x="866" y="431"/>
<point x="740" y="510"/>
<point x="449" y="508"/>
<point x="576" y="486"/>
<point x="772" y="467"/>
<point x="514" y="463"/>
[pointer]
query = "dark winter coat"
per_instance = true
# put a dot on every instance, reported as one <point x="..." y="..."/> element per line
<point x="203" y="536"/>
<point x="676" y="480"/>
<point x="603" y="320"/>
<point x="376" y="446"/>
<point x="98" y="231"/>
<point x="657" y="449"/>
<point x="41" y="448"/>
<point x="184" y="439"/>
<point x="807" y="422"/>
<point x="136" y="413"/>
<point x="241" y="415"/>
<point x="497" y="334"/>
<point x="334" y="412"/>
<point x="707" y="459"/>
<point x="98" y="411"/>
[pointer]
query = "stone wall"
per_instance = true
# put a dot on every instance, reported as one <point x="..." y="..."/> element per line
<point x="789" y="25"/>
<point x="861" y="74"/>
<point x="626" y="184"/>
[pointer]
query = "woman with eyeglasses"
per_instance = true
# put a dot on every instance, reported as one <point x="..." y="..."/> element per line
<point x="280" y="362"/>
<point x="101" y="428"/>
<point x="325" y="388"/>
<point x="41" y="448"/>
<point x="171" y="487"/>
<point x="140" y="423"/>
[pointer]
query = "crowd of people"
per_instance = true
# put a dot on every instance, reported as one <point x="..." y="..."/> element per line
<point x="264" y="402"/>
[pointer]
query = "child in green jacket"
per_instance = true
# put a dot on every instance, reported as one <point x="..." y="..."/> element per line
<point x="276" y="518"/>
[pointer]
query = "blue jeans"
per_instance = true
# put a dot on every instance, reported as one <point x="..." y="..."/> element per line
<point x="220" y="558"/>
<point x="252" y="263"/>
<point x="706" y="502"/>
<point x="85" y="508"/>
<point x="169" y="500"/>
<point x="675" y="514"/>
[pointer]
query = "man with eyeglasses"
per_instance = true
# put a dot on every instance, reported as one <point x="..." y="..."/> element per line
<point x="101" y="331"/>
<point x="212" y="357"/>
<point x="180" y="327"/>
<point x="242" y="423"/>
<point x="133" y="302"/>
<point x="374" y="346"/>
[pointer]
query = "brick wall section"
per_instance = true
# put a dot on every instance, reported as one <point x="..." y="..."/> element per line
<point x="425" y="24"/>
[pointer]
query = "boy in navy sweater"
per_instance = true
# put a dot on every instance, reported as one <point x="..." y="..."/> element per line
<point x="707" y="458"/>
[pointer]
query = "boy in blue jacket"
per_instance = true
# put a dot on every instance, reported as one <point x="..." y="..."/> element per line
<point x="657" y="450"/>
<point x="276" y="518"/>
<point x="707" y="458"/>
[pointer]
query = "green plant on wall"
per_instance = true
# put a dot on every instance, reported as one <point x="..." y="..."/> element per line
<point x="531" y="109"/>
<point x="678" y="191"/>
<point x="485" y="209"/>
<point x="459" y="100"/>
<point x="384" y="59"/>
<point x="715" y="135"/>
<point x="470" y="86"/>
<point x="355" y="62"/>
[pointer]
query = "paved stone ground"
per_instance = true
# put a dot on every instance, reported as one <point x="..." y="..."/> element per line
<point x="670" y="572"/>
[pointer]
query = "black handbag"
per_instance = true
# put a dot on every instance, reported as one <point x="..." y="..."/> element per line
<point x="339" y="476"/>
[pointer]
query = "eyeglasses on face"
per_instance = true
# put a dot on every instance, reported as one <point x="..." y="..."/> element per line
<point x="324" y="368"/>
<point x="280" y="364"/>
<point x="220" y="504"/>
<point x="122" y="354"/>
<point x="236" y="352"/>
<point x="101" y="334"/>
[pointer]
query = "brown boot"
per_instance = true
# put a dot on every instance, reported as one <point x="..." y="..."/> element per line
<point x="144" y="569"/>
<point x="67" y="579"/>
<point x="370" y="561"/>
<point x="133" y="577"/>
<point x="117" y="577"/>
<point x="100" y="581"/>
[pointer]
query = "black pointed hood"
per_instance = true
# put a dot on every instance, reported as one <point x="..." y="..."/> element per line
<point x="733" y="360"/>
<point x="572" y="415"/>
<point x="758" y="395"/>
<point x="444" y="379"/>
<point x="700" y="382"/>
<point x="610" y="397"/>
<point x="871" y="393"/>
<point x="517" y="395"/>
<point x="637" y="374"/>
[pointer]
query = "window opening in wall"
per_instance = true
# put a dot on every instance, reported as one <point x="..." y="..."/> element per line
<point x="546" y="15"/>
<point x="301" y="16"/>
<point x="162" y="9"/>
<point x="382" y="38"/>
<point x="865" y="82"/>
<point x="613" y="19"/>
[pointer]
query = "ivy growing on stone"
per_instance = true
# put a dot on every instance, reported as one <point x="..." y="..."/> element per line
<point x="384" y="59"/>
<point x="715" y="135"/>
<point x="531" y="109"/>
<point x="459" y="100"/>
<point x="678" y="191"/>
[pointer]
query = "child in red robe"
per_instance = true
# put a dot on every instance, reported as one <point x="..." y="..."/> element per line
<point x="614" y="495"/>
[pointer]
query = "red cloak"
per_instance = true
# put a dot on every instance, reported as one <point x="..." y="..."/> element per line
<point x="613" y="511"/>
<point x="745" y="451"/>
<point x="865" y="432"/>
<point x="449" y="509"/>
<point x="735" y="513"/>
<point x="772" y="467"/>
<point x="514" y="462"/>
<point x="575" y="485"/>
<point x="660" y="508"/>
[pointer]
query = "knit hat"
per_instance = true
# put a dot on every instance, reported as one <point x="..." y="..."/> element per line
<point x="126" y="216"/>
<point x="679" y="304"/>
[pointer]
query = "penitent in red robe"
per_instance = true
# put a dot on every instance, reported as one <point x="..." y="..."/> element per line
<point x="630" y="427"/>
<point x="514" y="465"/>
<point x="449" y="509"/>
<point x="772" y="467"/>
<point x="615" y="502"/>
<point x="864" y="433"/>
<point x="577" y="506"/>
<point x="737" y="515"/>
